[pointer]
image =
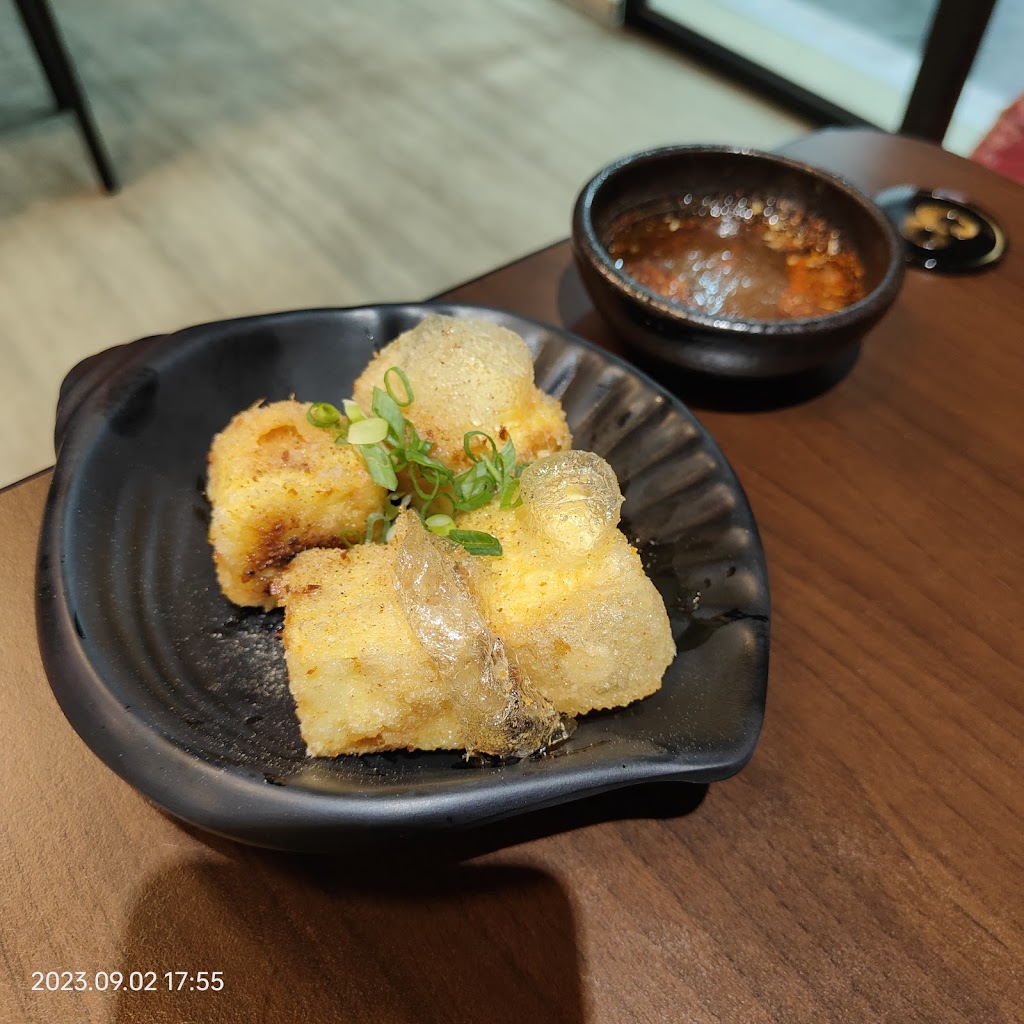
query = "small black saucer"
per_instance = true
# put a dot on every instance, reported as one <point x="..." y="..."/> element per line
<point x="941" y="231"/>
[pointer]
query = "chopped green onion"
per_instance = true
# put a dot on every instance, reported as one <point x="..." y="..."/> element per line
<point x="323" y="414"/>
<point x="390" y="444"/>
<point x="440" y="524"/>
<point x="508" y="459"/>
<point x="473" y="488"/>
<point x="421" y="458"/>
<point x="369" y="431"/>
<point x="441" y="496"/>
<point x="352" y="411"/>
<point x="473" y="457"/>
<point x="387" y="409"/>
<point x="371" y="522"/>
<point x="476" y="542"/>
<point x="415" y="475"/>
<point x="510" y="497"/>
<point x="407" y="387"/>
<point x="378" y="462"/>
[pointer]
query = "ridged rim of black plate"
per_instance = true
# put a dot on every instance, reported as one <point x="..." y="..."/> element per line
<point x="185" y="697"/>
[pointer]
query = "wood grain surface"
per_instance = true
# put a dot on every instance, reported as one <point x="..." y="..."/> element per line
<point x="866" y="866"/>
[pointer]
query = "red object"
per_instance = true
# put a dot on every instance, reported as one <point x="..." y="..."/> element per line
<point x="1002" y="149"/>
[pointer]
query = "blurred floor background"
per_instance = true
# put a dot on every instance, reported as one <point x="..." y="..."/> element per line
<point x="280" y="156"/>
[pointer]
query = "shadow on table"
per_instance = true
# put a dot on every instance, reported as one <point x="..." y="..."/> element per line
<point x="721" y="394"/>
<point x="300" y="942"/>
<point x="403" y="933"/>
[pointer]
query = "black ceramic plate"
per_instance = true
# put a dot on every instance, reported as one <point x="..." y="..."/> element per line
<point x="185" y="696"/>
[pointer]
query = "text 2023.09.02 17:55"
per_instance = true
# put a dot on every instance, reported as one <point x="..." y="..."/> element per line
<point x="131" y="981"/>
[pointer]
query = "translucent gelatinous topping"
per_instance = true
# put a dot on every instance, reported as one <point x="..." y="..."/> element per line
<point x="502" y="713"/>
<point x="572" y="498"/>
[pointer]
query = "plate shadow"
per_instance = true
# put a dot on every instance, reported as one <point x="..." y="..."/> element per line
<point x="299" y="942"/>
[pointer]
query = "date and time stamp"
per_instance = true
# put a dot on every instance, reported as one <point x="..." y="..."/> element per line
<point x="127" y="981"/>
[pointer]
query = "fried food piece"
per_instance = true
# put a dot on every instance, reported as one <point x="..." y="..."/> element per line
<point x="502" y="711"/>
<point x="569" y="595"/>
<point x="387" y="648"/>
<point x="279" y="485"/>
<point x="469" y="375"/>
<point x="361" y="681"/>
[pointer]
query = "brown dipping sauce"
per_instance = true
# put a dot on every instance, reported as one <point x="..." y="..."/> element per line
<point x="756" y="259"/>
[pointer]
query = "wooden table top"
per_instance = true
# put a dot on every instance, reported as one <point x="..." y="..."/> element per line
<point x="867" y="865"/>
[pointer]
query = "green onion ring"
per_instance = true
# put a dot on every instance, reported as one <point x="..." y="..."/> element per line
<point x="323" y="414"/>
<point x="406" y="386"/>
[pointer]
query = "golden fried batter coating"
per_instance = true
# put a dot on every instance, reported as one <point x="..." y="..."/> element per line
<point x="278" y="485"/>
<point x="569" y="594"/>
<point x="387" y="647"/>
<point x="416" y="643"/>
<point x="469" y="375"/>
<point x="360" y="679"/>
<point x="395" y="645"/>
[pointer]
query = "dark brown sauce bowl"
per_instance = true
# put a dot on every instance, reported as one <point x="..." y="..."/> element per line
<point x="670" y="332"/>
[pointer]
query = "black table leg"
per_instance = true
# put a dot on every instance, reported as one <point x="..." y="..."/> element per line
<point x="67" y="90"/>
